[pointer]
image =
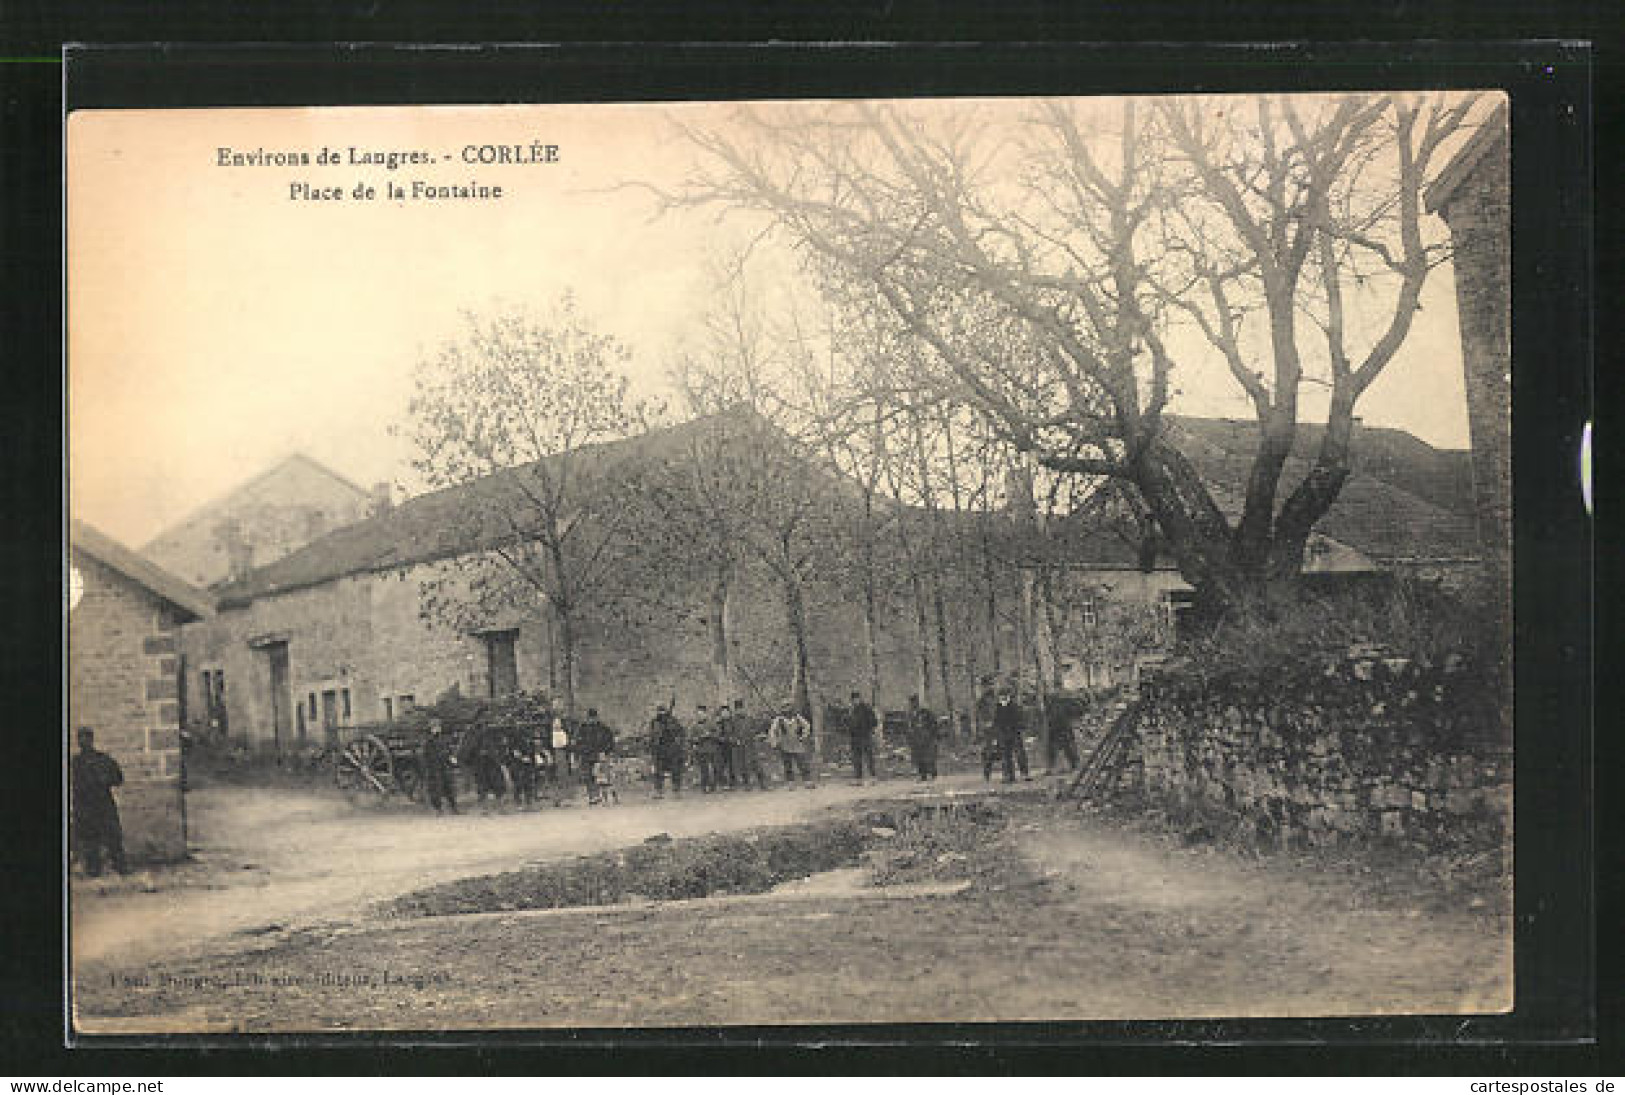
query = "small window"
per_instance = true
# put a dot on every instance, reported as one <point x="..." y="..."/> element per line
<point x="407" y="703"/>
<point x="313" y="707"/>
<point x="1087" y="613"/>
<point x="344" y="703"/>
<point x="389" y="709"/>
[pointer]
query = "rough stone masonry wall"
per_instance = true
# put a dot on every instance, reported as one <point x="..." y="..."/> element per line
<point x="122" y="683"/>
<point x="1335" y="753"/>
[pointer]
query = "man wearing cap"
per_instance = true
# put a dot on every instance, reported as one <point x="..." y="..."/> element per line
<point x="791" y="734"/>
<point x="1007" y="729"/>
<point x="96" y="826"/>
<point x="437" y="758"/>
<point x="668" y="746"/>
<point x="923" y="732"/>
<point x="860" y="727"/>
<point x="594" y="741"/>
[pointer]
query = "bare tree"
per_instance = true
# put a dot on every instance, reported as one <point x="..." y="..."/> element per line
<point x="512" y="415"/>
<point x="1046" y="274"/>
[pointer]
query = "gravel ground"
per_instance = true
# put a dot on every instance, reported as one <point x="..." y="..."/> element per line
<point x="1078" y="918"/>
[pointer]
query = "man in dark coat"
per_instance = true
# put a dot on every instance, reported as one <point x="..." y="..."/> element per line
<point x="745" y="758"/>
<point x="1007" y="729"/>
<point x="668" y="745"/>
<point x="437" y="758"/>
<point x="1059" y="713"/>
<point x="923" y="732"/>
<point x="707" y="750"/>
<point x="860" y="727"/>
<point x="96" y="825"/>
<point x="484" y="751"/>
<point x="594" y="741"/>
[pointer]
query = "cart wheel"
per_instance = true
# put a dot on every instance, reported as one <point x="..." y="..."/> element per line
<point x="365" y="768"/>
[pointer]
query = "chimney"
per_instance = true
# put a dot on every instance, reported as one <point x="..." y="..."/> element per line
<point x="382" y="503"/>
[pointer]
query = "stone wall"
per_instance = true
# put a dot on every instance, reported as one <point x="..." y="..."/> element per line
<point x="122" y="684"/>
<point x="1344" y="751"/>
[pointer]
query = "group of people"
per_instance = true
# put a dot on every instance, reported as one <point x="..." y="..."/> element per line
<point x="526" y="758"/>
<point x="726" y="748"/>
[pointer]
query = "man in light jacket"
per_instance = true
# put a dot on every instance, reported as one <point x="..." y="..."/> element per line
<point x="791" y="734"/>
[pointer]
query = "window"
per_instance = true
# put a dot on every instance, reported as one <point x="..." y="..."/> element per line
<point x="344" y="703"/>
<point x="1086" y="613"/>
<point x="389" y="709"/>
<point x="313" y="707"/>
<point x="299" y="722"/>
<point x="408" y="702"/>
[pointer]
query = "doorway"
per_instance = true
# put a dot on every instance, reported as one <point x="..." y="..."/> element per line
<point x="276" y="656"/>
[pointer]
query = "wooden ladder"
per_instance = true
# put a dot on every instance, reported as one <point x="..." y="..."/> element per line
<point x="1107" y="755"/>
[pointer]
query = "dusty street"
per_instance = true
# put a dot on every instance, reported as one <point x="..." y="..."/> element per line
<point x="279" y="859"/>
<point x="1089" y="920"/>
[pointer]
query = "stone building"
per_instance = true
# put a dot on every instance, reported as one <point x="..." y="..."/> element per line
<point x="1406" y="509"/>
<point x="124" y="673"/>
<point x="333" y="635"/>
<point x="1472" y="196"/>
<point x="265" y="519"/>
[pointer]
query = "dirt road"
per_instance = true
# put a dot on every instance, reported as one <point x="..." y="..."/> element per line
<point x="1091" y="920"/>
<point x="286" y="859"/>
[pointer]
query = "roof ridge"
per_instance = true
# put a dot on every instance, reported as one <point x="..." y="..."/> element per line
<point x="221" y="498"/>
<point x="86" y="537"/>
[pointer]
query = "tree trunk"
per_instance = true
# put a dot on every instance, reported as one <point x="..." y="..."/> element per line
<point x="871" y="612"/>
<point x="795" y="610"/>
<point x="922" y="634"/>
<point x="720" y="668"/>
<point x="567" y="644"/>
<point x="944" y="677"/>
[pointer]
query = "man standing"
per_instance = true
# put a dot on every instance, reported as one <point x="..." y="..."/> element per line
<point x="594" y="742"/>
<point x="669" y="748"/>
<point x="524" y="763"/>
<point x="1007" y="728"/>
<point x="745" y="758"/>
<point x="707" y="749"/>
<point x="791" y="734"/>
<point x="483" y="751"/>
<point x="923" y="732"/>
<point x="1059" y="712"/>
<point x="437" y="759"/>
<point x="860" y="726"/>
<point x="96" y="826"/>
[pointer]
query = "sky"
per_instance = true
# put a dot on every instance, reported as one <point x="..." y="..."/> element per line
<point x="217" y="322"/>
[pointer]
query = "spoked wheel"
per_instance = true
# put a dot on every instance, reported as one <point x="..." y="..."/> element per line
<point x="365" y="768"/>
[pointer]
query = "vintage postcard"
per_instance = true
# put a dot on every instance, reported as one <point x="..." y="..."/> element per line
<point x="756" y="564"/>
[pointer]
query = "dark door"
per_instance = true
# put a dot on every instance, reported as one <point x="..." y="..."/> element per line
<point x="504" y="667"/>
<point x="281" y="699"/>
<point x="330" y="714"/>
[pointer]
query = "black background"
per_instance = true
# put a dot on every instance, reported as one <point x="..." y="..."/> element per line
<point x="1551" y="85"/>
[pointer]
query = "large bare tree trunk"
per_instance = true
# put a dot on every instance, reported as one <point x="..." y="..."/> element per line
<point x="795" y="610"/>
<point x="944" y="677"/>
<point x="721" y="669"/>
<point x="567" y="644"/>
<point x="922" y="635"/>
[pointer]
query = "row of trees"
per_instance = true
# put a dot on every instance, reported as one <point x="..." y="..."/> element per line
<point x="999" y="320"/>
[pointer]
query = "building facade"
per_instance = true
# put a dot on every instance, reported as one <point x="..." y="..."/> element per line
<point x="124" y="671"/>
<point x="265" y="519"/>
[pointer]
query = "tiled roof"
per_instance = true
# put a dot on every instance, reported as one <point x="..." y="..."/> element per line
<point x="1373" y="516"/>
<point x="139" y="569"/>
<point x="1404" y="499"/>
